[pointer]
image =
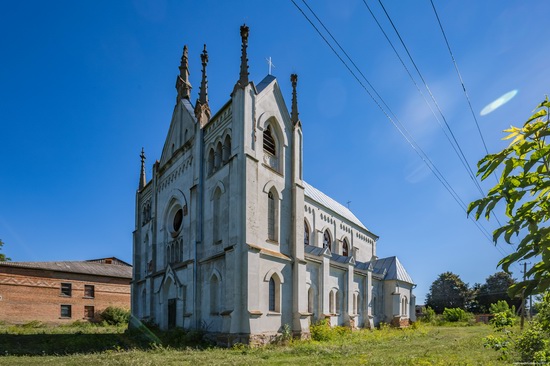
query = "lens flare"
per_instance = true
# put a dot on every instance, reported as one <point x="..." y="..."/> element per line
<point x="498" y="102"/>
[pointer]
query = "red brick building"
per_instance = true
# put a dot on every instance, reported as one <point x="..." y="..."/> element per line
<point x="62" y="292"/>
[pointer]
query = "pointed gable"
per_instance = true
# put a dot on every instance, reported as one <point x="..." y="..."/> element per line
<point x="182" y="129"/>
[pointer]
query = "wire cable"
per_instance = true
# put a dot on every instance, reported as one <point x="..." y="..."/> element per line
<point x="423" y="156"/>
<point x="400" y="128"/>
<point x="462" y="156"/>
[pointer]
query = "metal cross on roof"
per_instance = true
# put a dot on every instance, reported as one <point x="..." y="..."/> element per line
<point x="270" y="65"/>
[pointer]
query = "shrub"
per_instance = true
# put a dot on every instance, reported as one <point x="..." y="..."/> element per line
<point x="321" y="331"/>
<point x="501" y="306"/>
<point x="455" y="315"/>
<point x="531" y="343"/>
<point x="115" y="316"/>
<point x="429" y="315"/>
<point x="543" y="308"/>
<point x="503" y="319"/>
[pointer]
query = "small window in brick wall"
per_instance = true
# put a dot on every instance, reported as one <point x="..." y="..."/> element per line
<point x="89" y="312"/>
<point x="66" y="289"/>
<point x="89" y="291"/>
<point x="65" y="311"/>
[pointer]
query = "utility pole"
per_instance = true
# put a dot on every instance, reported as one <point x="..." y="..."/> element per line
<point x="523" y="303"/>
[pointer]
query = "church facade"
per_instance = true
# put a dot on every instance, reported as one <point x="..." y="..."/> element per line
<point x="230" y="238"/>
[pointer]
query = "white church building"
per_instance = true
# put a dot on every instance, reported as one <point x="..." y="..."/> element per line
<point x="230" y="238"/>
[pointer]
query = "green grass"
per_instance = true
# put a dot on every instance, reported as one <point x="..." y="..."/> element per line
<point x="426" y="345"/>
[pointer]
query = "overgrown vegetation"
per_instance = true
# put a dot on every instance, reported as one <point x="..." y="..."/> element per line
<point x="115" y="316"/>
<point x="416" y="345"/>
<point x="530" y="345"/>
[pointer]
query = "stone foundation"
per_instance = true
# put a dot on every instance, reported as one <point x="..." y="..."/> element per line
<point x="253" y="340"/>
<point x="400" y="322"/>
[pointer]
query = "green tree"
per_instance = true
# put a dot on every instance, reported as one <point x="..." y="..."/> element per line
<point x="3" y="257"/>
<point x="526" y="169"/>
<point x="494" y="290"/>
<point x="447" y="291"/>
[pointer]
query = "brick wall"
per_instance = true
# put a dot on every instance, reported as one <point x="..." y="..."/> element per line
<point x="30" y="294"/>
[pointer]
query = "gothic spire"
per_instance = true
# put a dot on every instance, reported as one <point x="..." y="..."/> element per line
<point x="142" y="178"/>
<point x="202" y="110"/>
<point x="203" y="93"/>
<point x="294" y="112"/>
<point x="183" y="86"/>
<point x="243" y="76"/>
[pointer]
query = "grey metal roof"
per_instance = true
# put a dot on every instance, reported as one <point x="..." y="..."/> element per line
<point x="394" y="269"/>
<point x="324" y="200"/>
<point x="264" y="83"/>
<point x="83" y="267"/>
<point x="311" y="249"/>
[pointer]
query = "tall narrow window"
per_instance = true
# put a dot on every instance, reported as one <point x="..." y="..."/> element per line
<point x="214" y="288"/>
<point x="269" y="142"/>
<point x="226" y="148"/>
<point x="218" y="158"/>
<point x="331" y="302"/>
<point x="272" y="290"/>
<point x="211" y="161"/>
<point x="217" y="217"/>
<point x="355" y="303"/>
<point x="404" y="305"/>
<point x="271" y="216"/>
<point x="345" y="248"/>
<point x="327" y="241"/>
<point x="306" y="233"/>
<point x="310" y="300"/>
<point x="337" y="301"/>
<point x="143" y="303"/>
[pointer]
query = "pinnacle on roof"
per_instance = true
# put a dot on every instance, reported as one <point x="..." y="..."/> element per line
<point x="294" y="113"/>
<point x="142" y="178"/>
<point x="183" y="86"/>
<point x="243" y="76"/>
<point x="202" y="110"/>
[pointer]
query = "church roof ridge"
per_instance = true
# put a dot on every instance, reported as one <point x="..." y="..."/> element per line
<point x="331" y="204"/>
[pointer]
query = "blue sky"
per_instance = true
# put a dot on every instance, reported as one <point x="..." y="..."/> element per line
<point x="86" y="85"/>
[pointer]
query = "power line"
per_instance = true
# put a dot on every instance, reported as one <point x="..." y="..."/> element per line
<point x="464" y="90"/>
<point x="400" y="128"/>
<point x="460" y="77"/>
<point x="461" y="153"/>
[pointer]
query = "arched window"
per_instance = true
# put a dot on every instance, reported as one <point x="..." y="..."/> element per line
<point x="214" y="295"/>
<point x="269" y="142"/>
<point x="272" y="290"/>
<point x="355" y="299"/>
<point x="374" y="305"/>
<point x="337" y="301"/>
<point x="310" y="300"/>
<point x="404" y="305"/>
<point x="345" y="248"/>
<point x="271" y="216"/>
<point x="218" y="155"/>
<point x="331" y="307"/>
<point x="306" y="233"/>
<point x="226" y="148"/>
<point x="211" y="161"/>
<point x="217" y="217"/>
<point x="327" y="241"/>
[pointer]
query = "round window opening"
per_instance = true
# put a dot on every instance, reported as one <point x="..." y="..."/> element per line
<point x="178" y="218"/>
